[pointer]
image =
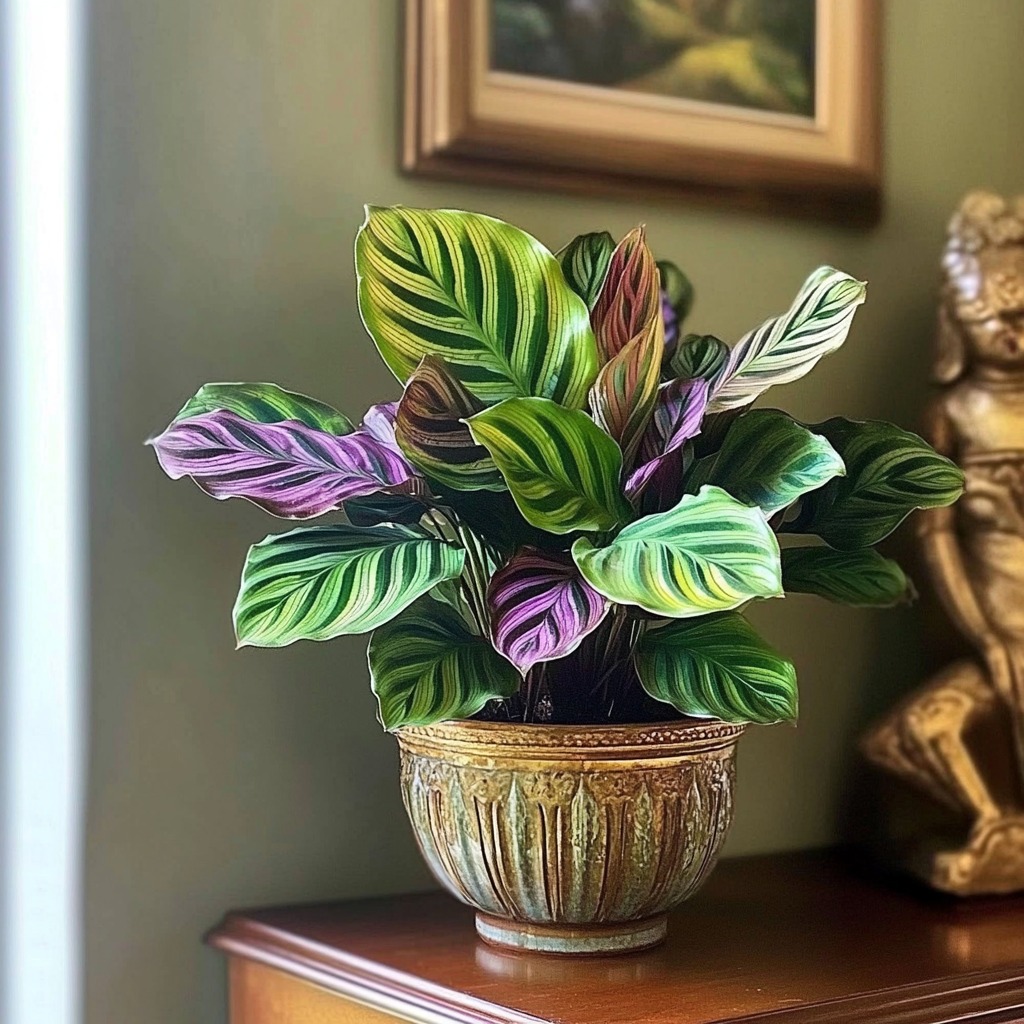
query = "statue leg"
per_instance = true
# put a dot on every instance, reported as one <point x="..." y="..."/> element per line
<point x="922" y="740"/>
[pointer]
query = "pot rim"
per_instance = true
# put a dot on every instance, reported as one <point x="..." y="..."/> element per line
<point x="643" y="740"/>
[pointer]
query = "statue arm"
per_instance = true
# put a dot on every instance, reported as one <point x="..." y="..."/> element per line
<point x="942" y="553"/>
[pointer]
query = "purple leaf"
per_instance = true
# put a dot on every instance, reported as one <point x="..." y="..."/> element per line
<point x="671" y="320"/>
<point x="289" y="469"/>
<point x="379" y="423"/>
<point x="541" y="607"/>
<point x="677" y="418"/>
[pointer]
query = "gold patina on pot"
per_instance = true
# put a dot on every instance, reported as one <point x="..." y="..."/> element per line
<point x="570" y="839"/>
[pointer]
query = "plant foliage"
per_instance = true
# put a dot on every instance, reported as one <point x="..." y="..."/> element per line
<point x="564" y="514"/>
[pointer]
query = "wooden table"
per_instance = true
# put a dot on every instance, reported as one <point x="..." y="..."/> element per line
<point x="779" y="940"/>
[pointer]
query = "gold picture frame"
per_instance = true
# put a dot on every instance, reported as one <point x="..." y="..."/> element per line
<point x="466" y="120"/>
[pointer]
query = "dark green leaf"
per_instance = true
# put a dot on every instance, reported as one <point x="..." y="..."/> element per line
<point x="768" y="460"/>
<point x="862" y="578"/>
<point x="890" y="473"/>
<point x="585" y="262"/>
<point x="717" y="667"/>
<point x="427" y="666"/>
<point x="699" y="355"/>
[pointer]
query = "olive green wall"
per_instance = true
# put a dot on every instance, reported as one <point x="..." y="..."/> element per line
<point x="233" y="143"/>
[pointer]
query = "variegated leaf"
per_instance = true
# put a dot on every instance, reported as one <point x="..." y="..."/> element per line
<point x="699" y="355"/>
<point x="861" y="578"/>
<point x="622" y="398"/>
<point x="786" y="347"/>
<point x="560" y="467"/>
<point x="717" y="667"/>
<point x="541" y="607"/>
<point x="483" y="296"/>
<point x="427" y="666"/>
<point x="433" y="435"/>
<point x="289" y="469"/>
<point x="584" y="262"/>
<point x="768" y="460"/>
<point x="265" y="403"/>
<point x="630" y="299"/>
<point x="325" y="581"/>
<point x="678" y="414"/>
<point x="709" y="553"/>
<point x="889" y="473"/>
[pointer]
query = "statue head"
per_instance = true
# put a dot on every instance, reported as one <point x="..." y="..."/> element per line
<point x="981" y="318"/>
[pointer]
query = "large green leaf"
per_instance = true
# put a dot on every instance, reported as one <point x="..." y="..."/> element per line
<point x="709" y="553"/>
<point x="265" y="403"/>
<point x="483" y="296"/>
<point x="862" y="578"/>
<point x="427" y="666"/>
<point x="585" y="262"/>
<point x="325" y="581"/>
<point x="430" y="430"/>
<point x="699" y="355"/>
<point x="890" y="472"/>
<point x="786" y="347"/>
<point x="768" y="460"/>
<point x="717" y="667"/>
<point x="561" y="468"/>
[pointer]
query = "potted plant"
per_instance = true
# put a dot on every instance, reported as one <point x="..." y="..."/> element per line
<point x="550" y="536"/>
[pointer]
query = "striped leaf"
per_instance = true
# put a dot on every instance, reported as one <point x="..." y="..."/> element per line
<point x="717" y="667"/>
<point x="431" y="432"/>
<point x="289" y="469"/>
<point x="890" y="473"/>
<point x="428" y="666"/>
<point x="326" y="581"/>
<point x="483" y="296"/>
<point x="786" y="347"/>
<point x="622" y="398"/>
<point x="585" y="262"/>
<point x="678" y="415"/>
<point x="541" y="608"/>
<point x="709" y="553"/>
<point x="561" y="468"/>
<point x="699" y="355"/>
<point x="863" y="578"/>
<point x="768" y="460"/>
<point x="265" y="403"/>
<point x="630" y="299"/>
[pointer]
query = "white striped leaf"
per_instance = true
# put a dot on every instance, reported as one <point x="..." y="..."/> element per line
<point x="560" y="467"/>
<point x="427" y="666"/>
<point x="482" y="295"/>
<point x="786" y="347"/>
<point x="768" y="460"/>
<point x="709" y="553"/>
<point x="326" y="581"/>
<point x="860" y="578"/>
<point x="265" y="403"/>
<point x="718" y="667"/>
<point x="890" y="473"/>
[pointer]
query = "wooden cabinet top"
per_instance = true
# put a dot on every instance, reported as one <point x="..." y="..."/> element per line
<point x="788" y="939"/>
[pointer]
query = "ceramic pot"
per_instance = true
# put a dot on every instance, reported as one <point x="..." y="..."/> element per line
<point x="570" y="839"/>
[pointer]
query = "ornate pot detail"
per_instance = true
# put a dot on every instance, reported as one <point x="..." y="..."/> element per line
<point x="570" y="839"/>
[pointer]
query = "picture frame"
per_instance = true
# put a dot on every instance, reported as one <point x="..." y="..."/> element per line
<point x="466" y="119"/>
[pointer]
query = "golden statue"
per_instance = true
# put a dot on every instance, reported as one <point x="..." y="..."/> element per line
<point x="973" y="553"/>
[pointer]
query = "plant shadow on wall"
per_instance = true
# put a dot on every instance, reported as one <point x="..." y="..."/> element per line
<point x="555" y="529"/>
<point x="757" y="54"/>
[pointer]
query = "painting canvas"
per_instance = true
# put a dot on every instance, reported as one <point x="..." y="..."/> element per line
<point x="755" y="54"/>
<point x="765" y="104"/>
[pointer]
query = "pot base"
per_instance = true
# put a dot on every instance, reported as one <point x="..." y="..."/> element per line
<point x="573" y="939"/>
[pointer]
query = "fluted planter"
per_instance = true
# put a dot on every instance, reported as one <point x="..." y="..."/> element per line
<point x="570" y="839"/>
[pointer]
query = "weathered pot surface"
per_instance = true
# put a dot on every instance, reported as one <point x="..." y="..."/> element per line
<point x="570" y="839"/>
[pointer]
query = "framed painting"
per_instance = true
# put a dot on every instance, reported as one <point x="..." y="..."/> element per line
<point x="772" y="104"/>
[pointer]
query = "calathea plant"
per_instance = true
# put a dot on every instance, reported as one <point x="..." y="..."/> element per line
<point x="562" y="516"/>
